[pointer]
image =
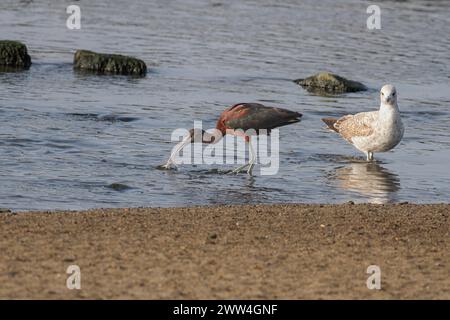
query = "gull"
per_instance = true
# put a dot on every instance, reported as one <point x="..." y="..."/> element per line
<point x="376" y="131"/>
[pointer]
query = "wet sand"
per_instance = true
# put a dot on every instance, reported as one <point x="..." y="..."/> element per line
<point x="244" y="252"/>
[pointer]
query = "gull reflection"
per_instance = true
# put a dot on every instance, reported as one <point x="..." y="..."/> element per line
<point x="369" y="179"/>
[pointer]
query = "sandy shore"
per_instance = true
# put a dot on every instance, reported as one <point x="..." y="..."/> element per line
<point x="247" y="252"/>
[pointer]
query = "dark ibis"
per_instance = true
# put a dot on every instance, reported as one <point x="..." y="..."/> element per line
<point x="238" y="120"/>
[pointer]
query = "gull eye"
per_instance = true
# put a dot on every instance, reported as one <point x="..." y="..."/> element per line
<point x="382" y="93"/>
<point x="394" y="93"/>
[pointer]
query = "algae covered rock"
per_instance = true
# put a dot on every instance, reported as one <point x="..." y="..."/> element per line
<point x="329" y="83"/>
<point x="108" y="63"/>
<point x="14" y="55"/>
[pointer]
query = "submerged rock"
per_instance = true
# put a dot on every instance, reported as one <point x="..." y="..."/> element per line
<point x="329" y="83"/>
<point x="108" y="63"/>
<point x="119" y="186"/>
<point x="117" y="118"/>
<point x="14" y="55"/>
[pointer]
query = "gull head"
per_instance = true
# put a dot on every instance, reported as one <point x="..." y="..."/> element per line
<point x="388" y="94"/>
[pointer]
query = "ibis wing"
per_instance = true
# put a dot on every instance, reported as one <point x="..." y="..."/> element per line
<point x="256" y="116"/>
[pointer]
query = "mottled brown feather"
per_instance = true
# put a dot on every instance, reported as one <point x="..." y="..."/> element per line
<point x="349" y="126"/>
<point x="330" y="123"/>
<point x="358" y="125"/>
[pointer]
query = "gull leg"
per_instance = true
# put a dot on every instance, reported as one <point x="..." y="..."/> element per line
<point x="252" y="158"/>
<point x="369" y="155"/>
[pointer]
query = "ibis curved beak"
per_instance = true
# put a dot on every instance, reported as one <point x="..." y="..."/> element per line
<point x="175" y="151"/>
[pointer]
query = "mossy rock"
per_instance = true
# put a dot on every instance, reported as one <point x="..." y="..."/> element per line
<point x="329" y="83"/>
<point x="14" y="55"/>
<point x="108" y="63"/>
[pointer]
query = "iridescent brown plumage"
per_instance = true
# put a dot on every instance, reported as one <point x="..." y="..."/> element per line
<point x="246" y="116"/>
<point x="239" y="120"/>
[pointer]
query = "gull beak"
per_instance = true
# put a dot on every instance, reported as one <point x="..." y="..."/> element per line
<point x="389" y="99"/>
<point x="175" y="151"/>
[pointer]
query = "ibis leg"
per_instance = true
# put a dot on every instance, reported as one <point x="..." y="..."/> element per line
<point x="252" y="158"/>
<point x="239" y="169"/>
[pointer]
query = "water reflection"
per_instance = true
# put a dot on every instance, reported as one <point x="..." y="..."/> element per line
<point x="369" y="179"/>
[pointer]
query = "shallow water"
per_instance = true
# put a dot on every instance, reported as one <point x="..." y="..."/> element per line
<point x="76" y="141"/>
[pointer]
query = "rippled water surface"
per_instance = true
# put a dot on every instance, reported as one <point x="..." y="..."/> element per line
<point x="71" y="140"/>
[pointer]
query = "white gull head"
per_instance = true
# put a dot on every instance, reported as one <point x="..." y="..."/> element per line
<point x="388" y="95"/>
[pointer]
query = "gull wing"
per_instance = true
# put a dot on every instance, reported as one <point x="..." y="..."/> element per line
<point x="358" y="125"/>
